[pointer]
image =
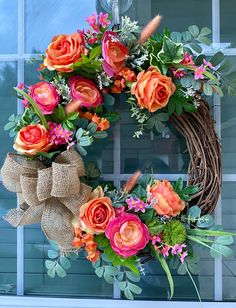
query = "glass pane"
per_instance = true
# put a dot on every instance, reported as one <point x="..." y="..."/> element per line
<point x="229" y="216"/>
<point x="80" y="280"/>
<point x="227" y="20"/>
<point x="8" y="80"/>
<point x="8" y="29"/>
<point x="7" y="245"/>
<point x="46" y="18"/>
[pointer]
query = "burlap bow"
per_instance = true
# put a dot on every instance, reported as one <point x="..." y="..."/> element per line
<point x="47" y="195"/>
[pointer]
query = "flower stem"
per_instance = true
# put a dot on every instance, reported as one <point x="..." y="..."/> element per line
<point x="34" y="106"/>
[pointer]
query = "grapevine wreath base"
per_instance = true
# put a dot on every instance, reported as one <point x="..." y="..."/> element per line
<point x="166" y="77"/>
<point x="205" y="155"/>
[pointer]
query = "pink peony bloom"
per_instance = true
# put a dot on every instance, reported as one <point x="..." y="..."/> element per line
<point x="113" y="52"/>
<point x="45" y="96"/>
<point x="198" y="74"/>
<point x="84" y="92"/>
<point x="119" y="211"/>
<point x="127" y="235"/>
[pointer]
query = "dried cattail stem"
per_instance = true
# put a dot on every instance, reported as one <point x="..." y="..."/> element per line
<point x="149" y="29"/>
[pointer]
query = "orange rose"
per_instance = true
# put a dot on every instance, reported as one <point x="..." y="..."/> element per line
<point x="32" y="139"/>
<point x="152" y="89"/>
<point x="164" y="199"/>
<point x="64" y="51"/>
<point x="96" y="214"/>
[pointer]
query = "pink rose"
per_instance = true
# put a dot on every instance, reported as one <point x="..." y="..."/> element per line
<point x="45" y="96"/>
<point x="84" y="92"/>
<point x="127" y="234"/>
<point x="113" y="52"/>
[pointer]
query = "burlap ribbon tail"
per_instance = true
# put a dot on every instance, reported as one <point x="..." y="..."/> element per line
<point x="51" y="195"/>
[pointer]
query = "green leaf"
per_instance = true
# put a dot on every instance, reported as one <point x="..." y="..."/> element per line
<point x="150" y="123"/>
<point x="9" y="125"/>
<point x="225" y="240"/>
<point x="182" y="269"/>
<point x="52" y="254"/>
<point x="204" y="40"/>
<point x="133" y="277"/>
<point x="187" y="81"/>
<point x="65" y="262"/>
<point x="193" y="267"/>
<point x="128" y="294"/>
<point x="12" y="117"/>
<point x="191" y="190"/>
<point x="108" y="278"/>
<point x="218" y="249"/>
<point x="122" y="285"/>
<point x="100" y="135"/>
<point x="134" y="288"/>
<point x="168" y="273"/>
<point x="50" y="264"/>
<point x="171" y="106"/>
<point x="176" y="37"/>
<point x="207" y="88"/>
<point x="99" y="271"/>
<point x="217" y="58"/>
<point x="108" y="100"/>
<point x="80" y="149"/>
<point x="205" y="31"/>
<point x="171" y="52"/>
<point x="162" y="116"/>
<point x="179" y="184"/>
<point x="194" y="30"/>
<point x="194" y="212"/>
<point x="79" y="133"/>
<point x="209" y="232"/>
<point x="51" y="272"/>
<point x="187" y="36"/>
<point x="195" y="47"/>
<point x="111" y="270"/>
<point x="205" y="221"/>
<point x="174" y="262"/>
<point x="72" y="116"/>
<point x="159" y="126"/>
<point x="92" y="127"/>
<point x="95" y="52"/>
<point x="85" y="141"/>
<point x="60" y="271"/>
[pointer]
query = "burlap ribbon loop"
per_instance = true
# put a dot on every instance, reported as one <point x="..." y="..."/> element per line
<point x="47" y="195"/>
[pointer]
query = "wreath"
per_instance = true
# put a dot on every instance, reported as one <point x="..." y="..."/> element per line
<point x="166" y="78"/>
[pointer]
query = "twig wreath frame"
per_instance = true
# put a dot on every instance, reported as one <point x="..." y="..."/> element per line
<point x="167" y="78"/>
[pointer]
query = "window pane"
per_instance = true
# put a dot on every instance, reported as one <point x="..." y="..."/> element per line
<point x="8" y="72"/>
<point x="7" y="245"/>
<point x="80" y="280"/>
<point x="229" y="216"/>
<point x="8" y="29"/>
<point x="46" y="18"/>
<point x="227" y="21"/>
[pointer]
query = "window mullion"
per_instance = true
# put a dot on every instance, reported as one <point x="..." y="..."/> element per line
<point x="20" y="78"/>
<point x="217" y="117"/>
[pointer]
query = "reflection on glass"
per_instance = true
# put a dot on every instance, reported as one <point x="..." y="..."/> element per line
<point x="8" y="29"/>
<point x="81" y="281"/>
<point x="47" y="18"/>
